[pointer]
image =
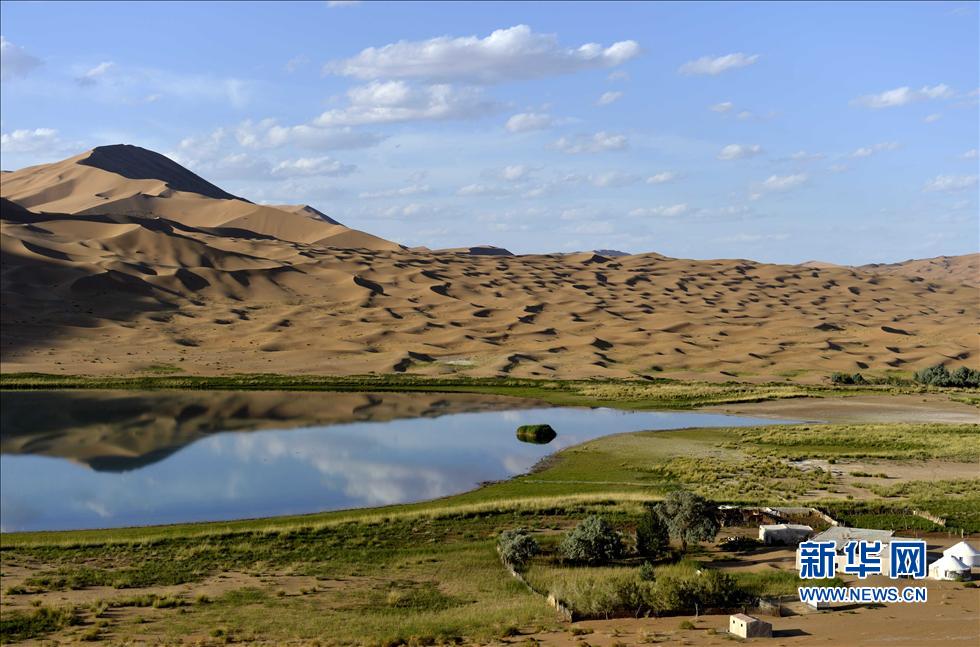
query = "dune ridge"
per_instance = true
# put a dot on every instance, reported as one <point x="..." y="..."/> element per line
<point x="105" y="273"/>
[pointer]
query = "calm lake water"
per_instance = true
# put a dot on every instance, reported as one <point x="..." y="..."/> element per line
<point x="110" y="459"/>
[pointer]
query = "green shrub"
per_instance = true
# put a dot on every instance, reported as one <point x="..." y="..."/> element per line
<point x="652" y="536"/>
<point x="16" y="625"/>
<point x="647" y="572"/>
<point x="689" y="517"/>
<point x="847" y="378"/>
<point x="517" y="547"/>
<point x="591" y="542"/>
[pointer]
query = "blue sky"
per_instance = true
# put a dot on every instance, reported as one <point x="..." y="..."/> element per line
<point x="780" y="132"/>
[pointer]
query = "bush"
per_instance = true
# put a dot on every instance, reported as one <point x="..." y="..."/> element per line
<point x="652" y="536"/>
<point x="939" y="375"/>
<point x="537" y="434"/>
<point x="847" y="378"/>
<point x="689" y="517"/>
<point x="517" y="547"/>
<point x="647" y="574"/>
<point x="591" y="542"/>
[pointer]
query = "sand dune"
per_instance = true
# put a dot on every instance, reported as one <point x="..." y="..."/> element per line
<point x="106" y="270"/>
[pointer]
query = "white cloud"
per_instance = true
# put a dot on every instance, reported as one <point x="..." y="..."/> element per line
<point x="527" y="121"/>
<point x="29" y="141"/>
<point x="716" y="65"/>
<point x="868" y="151"/>
<point x="662" y="177"/>
<point x="739" y="151"/>
<point x="783" y="182"/>
<point x="608" y="98"/>
<point x="933" y="118"/>
<point x="752" y="238"/>
<point x="804" y="156"/>
<point x="382" y="102"/>
<point x="414" y="189"/>
<point x="745" y="114"/>
<point x="336" y="4"/>
<point x="903" y="96"/>
<point x="724" y="106"/>
<point x="267" y="133"/>
<point x="295" y="63"/>
<point x="515" y="172"/>
<point x="665" y="211"/>
<point x="618" y="75"/>
<point x="970" y="154"/>
<point x="596" y="143"/>
<point x="92" y="76"/>
<point x="951" y="183"/>
<point x="15" y="61"/>
<point x="309" y="166"/>
<point x="471" y="190"/>
<point x="610" y="179"/>
<point x="504" y="55"/>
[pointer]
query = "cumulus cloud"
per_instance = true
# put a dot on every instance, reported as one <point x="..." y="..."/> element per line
<point x="337" y="4"/>
<point x="949" y="183"/>
<point x="609" y="97"/>
<point x="661" y="211"/>
<point x="724" y="106"/>
<point x="712" y="66"/>
<point x="526" y="121"/>
<point x="662" y="178"/>
<point x="381" y="102"/>
<point x="93" y="75"/>
<point x="868" y="151"/>
<point x="414" y="189"/>
<point x="310" y="166"/>
<point x="804" y="156"/>
<point x="739" y="151"/>
<point x="487" y="190"/>
<point x="15" y="61"/>
<point x="515" y="172"/>
<point x="596" y="143"/>
<point x="970" y="154"/>
<point x="505" y="55"/>
<point x="783" y="182"/>
<point x="933" y="118"/>
<point x="28" y="140"/>
<point x="268" y="133"/>
<point x="904" y="96"/>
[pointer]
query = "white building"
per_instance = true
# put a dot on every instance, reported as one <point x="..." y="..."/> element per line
<point x="784" y="534"/>
<point x="948" y="567"/>
<point x="965" y="553"/>
<point x="842" y="536"/>
<point x="745" y="626"/>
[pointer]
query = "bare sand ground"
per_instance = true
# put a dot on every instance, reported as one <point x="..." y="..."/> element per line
<point x="119" y="260"/>
<point x="865" y="408"/>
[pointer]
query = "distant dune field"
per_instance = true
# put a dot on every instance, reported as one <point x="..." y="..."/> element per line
<point x="119" y="260"/>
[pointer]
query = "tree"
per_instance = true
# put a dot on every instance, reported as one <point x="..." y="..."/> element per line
<point x="591" y="542"/>
<point x="689" y="517"/>
<point x="652" y="536"/>
<point x="517" y="547"/>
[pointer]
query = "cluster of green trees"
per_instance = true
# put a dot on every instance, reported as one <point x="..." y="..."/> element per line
<point x="683" y="516"/>
<point x="939" y="375"/>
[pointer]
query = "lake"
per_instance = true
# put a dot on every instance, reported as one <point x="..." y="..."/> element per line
<point x="73" y="460"/>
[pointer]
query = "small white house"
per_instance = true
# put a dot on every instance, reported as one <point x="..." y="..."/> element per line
<point x="745" y="626"/>
<point x="784" y="534"/>
<point x="948" y="567"/>
<point x="965" y="553"/>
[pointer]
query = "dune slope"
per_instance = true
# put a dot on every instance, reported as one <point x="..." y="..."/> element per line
<point x="106" y="273"/>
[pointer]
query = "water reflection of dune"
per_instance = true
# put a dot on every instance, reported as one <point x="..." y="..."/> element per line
<point x="115" y="432"/>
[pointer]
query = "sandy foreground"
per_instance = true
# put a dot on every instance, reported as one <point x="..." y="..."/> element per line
<point x="119" y="261"/>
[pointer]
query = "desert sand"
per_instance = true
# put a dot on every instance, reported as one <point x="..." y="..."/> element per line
<point x="119" y="260"/>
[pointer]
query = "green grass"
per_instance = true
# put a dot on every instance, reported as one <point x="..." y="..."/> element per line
<point x="20" y="625"/>
<point x="625" y="394"/>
